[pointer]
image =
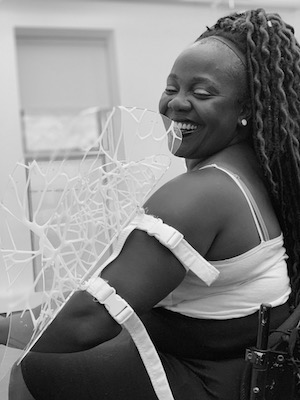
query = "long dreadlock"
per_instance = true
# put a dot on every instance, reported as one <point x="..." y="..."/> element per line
<point x="273" y="69"/>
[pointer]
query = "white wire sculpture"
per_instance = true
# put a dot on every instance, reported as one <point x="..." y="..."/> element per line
<point x="62" y="216"/>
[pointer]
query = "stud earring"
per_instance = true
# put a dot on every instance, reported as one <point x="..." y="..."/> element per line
<point x="244" y="122"/>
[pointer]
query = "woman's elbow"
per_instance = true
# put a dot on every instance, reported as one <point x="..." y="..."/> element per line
<point x="81" y="325"/>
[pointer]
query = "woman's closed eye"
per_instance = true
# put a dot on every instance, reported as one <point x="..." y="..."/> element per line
<point x="171" y="90"/>
<point x="202" y="93"/>
<point x="197" y="92"/>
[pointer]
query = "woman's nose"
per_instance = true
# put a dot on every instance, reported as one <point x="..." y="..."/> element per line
<point x="179" y="103"/>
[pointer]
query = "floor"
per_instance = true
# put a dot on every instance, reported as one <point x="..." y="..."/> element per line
<point x="7" y="358"/>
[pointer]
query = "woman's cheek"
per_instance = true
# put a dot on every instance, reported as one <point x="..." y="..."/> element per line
<point x="163" y="104"/>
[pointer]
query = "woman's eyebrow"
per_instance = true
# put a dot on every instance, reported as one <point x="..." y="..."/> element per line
<point x="195" y="79"/>
<point x="173" y="76"/>
<point x="201" y="79"/>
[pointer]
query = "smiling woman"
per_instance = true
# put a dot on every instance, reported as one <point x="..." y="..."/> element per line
<point x="203" y="91"/>
<point x="209" y="246"/>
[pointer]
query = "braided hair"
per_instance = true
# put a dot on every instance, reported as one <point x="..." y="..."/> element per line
<point x="273" y="70"/>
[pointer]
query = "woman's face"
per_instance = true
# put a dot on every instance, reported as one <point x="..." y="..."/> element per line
<point x="202" y="95"/>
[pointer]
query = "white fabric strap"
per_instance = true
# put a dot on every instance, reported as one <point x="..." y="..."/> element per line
<point x="173" y="240"/>
<point x="121" y="311"/>
<point x="256" y="214"/>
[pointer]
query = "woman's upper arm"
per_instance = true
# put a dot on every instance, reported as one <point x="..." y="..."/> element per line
<point x="146" y="271"/>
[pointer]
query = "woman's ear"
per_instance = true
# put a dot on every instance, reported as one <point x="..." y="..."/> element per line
<point x="245" y="114"/>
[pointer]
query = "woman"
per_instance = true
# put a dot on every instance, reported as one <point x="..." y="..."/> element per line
<point x="235" y="95"/>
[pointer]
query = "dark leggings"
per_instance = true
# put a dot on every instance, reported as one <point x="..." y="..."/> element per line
<point x="114" y="370"/>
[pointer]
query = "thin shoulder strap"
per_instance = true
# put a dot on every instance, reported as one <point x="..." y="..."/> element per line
<point x="258" y="219"/>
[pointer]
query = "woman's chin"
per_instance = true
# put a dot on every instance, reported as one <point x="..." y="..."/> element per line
<point x="185" y="147"/>
<point x="182" y="151"/>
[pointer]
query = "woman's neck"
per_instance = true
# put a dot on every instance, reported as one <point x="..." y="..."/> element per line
<point x="236" y="150"/>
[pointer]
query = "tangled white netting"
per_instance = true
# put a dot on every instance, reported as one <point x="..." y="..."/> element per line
<point x="62" y="214"/>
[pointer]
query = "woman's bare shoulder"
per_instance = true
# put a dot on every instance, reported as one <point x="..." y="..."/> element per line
<point x="197" y="203"/>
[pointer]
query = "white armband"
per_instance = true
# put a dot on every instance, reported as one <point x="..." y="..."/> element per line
<point x="173" y="240"/>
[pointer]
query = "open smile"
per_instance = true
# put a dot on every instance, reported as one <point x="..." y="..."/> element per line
<point x="186" y="128"/>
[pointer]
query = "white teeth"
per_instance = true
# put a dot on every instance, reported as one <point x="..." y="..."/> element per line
<point x="185" y="126"/>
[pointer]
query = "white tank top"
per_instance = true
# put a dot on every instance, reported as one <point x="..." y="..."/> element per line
<point x="245" y="281"/>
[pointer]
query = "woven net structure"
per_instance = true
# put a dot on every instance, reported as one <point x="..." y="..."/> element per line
<point x="64" y="209"/>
